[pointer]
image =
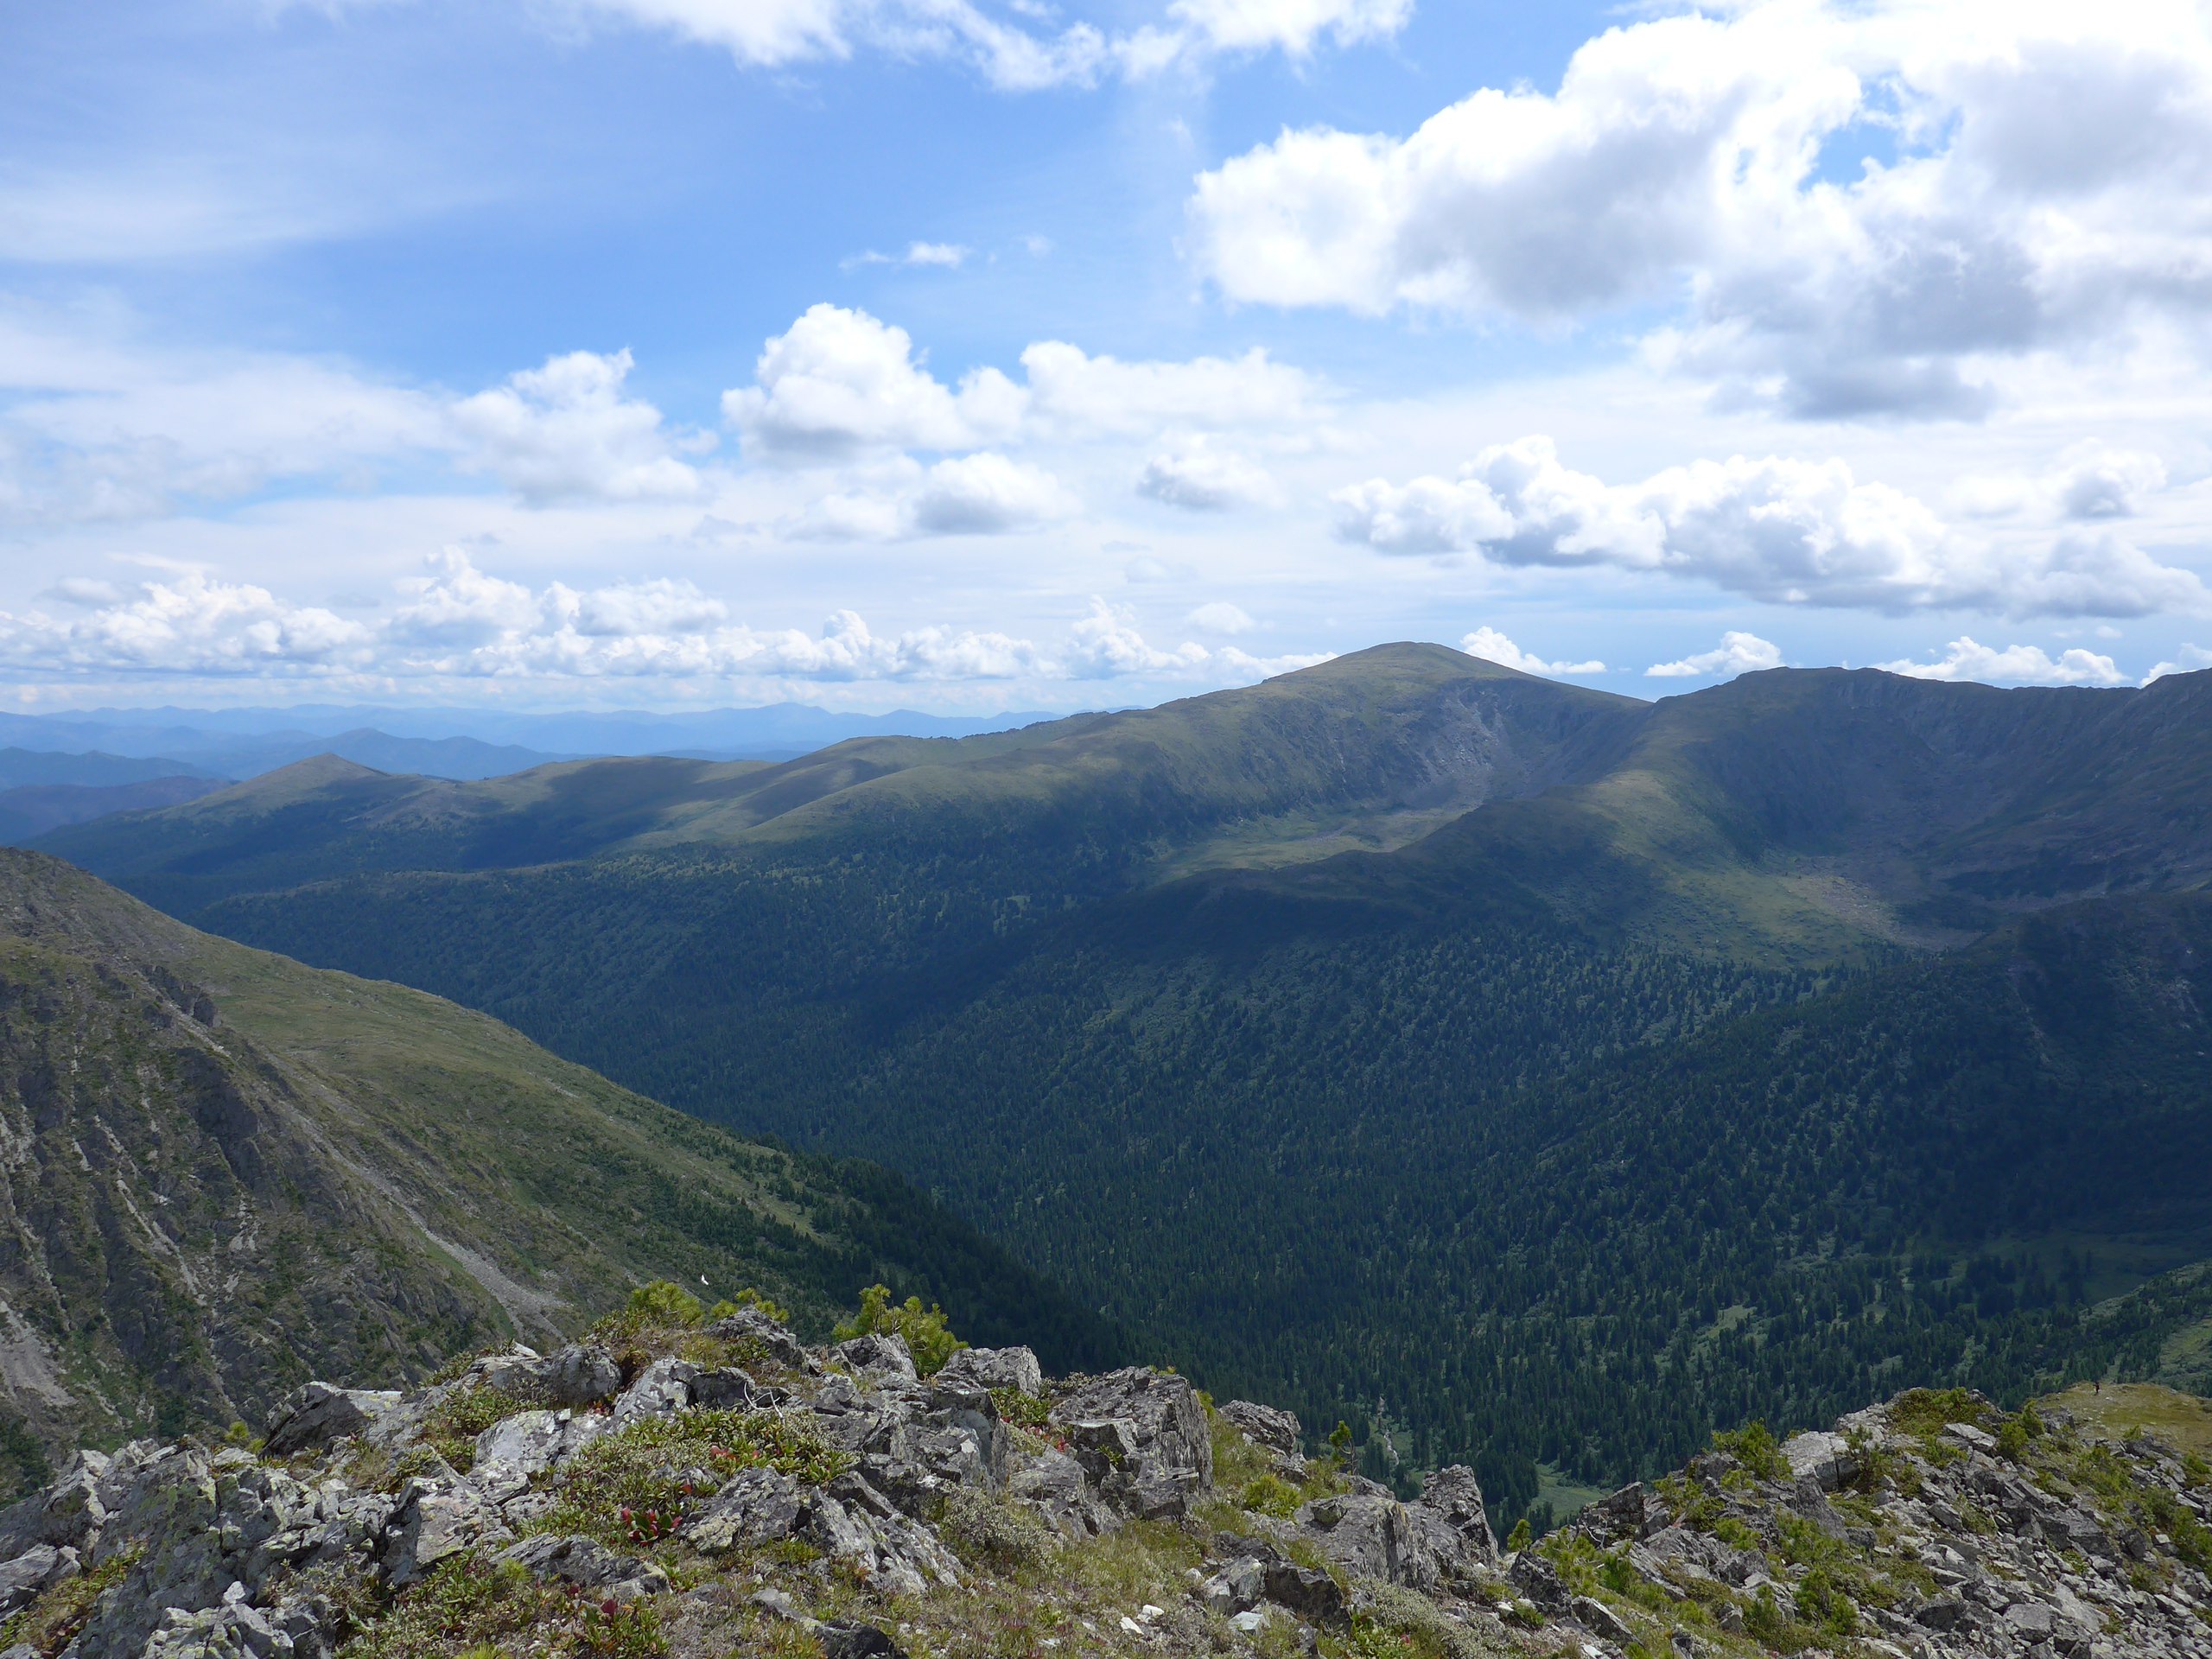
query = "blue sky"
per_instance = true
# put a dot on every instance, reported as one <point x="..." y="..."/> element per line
<point x="968" y="355"/>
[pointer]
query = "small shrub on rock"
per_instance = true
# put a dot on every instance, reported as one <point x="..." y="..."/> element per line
<point x="1755" y="1448"/>
<point x="992" y="1531"/>
<point x="927" y="1338"/>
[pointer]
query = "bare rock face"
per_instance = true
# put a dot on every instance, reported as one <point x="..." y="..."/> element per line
<point x="1450" y="1522"/>
<point x="316" y="1414"/>
<point x="1141" y="1439"/>
<point x="993" y="1368"/>
<point x="588" y="1565"/>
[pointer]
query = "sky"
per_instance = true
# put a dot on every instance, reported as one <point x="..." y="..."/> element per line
<point x="973" y="355"/>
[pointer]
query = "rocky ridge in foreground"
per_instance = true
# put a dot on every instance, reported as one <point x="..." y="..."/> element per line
<point x="675" y="1486"/>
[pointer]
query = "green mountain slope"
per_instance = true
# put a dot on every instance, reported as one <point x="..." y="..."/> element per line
<point x="1276" y="1023"/>
<point x="226" y="1173"/>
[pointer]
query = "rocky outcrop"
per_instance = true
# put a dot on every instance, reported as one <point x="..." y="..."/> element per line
<point x="729" y="1478"/>
<point x="1935" y="1525"/>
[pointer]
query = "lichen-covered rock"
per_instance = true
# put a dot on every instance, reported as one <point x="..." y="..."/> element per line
<point x="1450" y="1522"/>
<point x="434" y="1519"/>
<point x="993" y="1368"/>
<point x="876" y="1351"/>
<point x="35" y="1570"/>
<point x="316" y="1414"/>
<point x="1141" y="1437"/>
<point x="663" y="1388"/>
<point x="771" y="1336"/>
<point x="758" y="1506"/>
<point x="1371" y="1536"/>
<point x="588" y="1565"/>
<point x="1265" y="1426"/>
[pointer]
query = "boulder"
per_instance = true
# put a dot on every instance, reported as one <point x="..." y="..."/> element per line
<point x="1053" y="1484"/>
<point x="851" y="1522"/>
<point x="993" y="1368"/>
<point x="1371" y="1537"/>
<point x="1278" y="1431"/>
<point x="727" y="1390"/>
<point x="1826" y="1458"/>
<point x="876" y="1351"/>
<point x="1236" y="1587"/>
<point x="750" y="1324"/>
<point x="1625" y="1516"/>
<point x="580" y="1374"/>
<point x="662" y="1390"/>
<point x="315" y="1415"/>
<point x="1538" y="1582"/>
<point x="1452" y="1522"/>
<point x="756" y="1506"/>
<point x="588" y="1564"/>
<point x="1599" y="1620"/>
<point x="1141" y="1439"/>
<point x="23" y="1579"/>
<point x="433" y="1519"/>
<point x="513" y="1450"/>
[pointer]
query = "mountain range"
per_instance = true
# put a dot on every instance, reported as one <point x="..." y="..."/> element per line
<point x="1519" y="1072"/>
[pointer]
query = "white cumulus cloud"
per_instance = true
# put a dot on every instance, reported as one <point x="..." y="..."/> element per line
<point x="2034" y="177"/>
<point x="1965" y="659"/>
<point x="566" y="431"/>
<point x="1221" y="616"/>
<point x="981" y="494"/>
<point x="1737" y="653"/>
<point x="1781" y="530"/>
<point x="838" y="382"/>
<point x="189" y="623"/>
<point x="1492" y="646"/>
<point x="2190" y="658"/>
<point x="1202" y="479"/>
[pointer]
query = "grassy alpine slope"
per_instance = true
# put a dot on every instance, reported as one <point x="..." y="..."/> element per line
<point x="228" y="1171"/>
<point x="1308" y="1028"/>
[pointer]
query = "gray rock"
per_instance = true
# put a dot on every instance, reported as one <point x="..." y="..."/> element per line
<point x="513" y="1450"/>
<point x="1278" y="1431"/>
<point x="756" y="1506"/>
<point x="727" y="1390"/>
<point x="582" y="1561"/>
<point x="1633" y="1512"/>
<point x="23" y="1579"/>
<point x="1371" y="1537"/>
<point x="850" y="1639"/>
<point x="662" y="1390"/>
<point x="876" y="1351"/>
<point x="2032" y="1619"/>
<point x="751" y="1325"/>
<point x="1452" y="1522"/>
<point x="229" y="1631"/>
<point x="1141" y="1439"/>
<point x="1826" y="1458"/>
<point x="68" y="1513"/>
<point x="1599" y="1620"/>
<point x="994" y="1368"/>
<point x="1053" y="1484"/>
<point x="1538" y="1581"/>
<point x="1305" y="1591"/>
<point x="433" y="1520"/>
<point x="1237" y="1586"/>
<point x="582" y="1374"/>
